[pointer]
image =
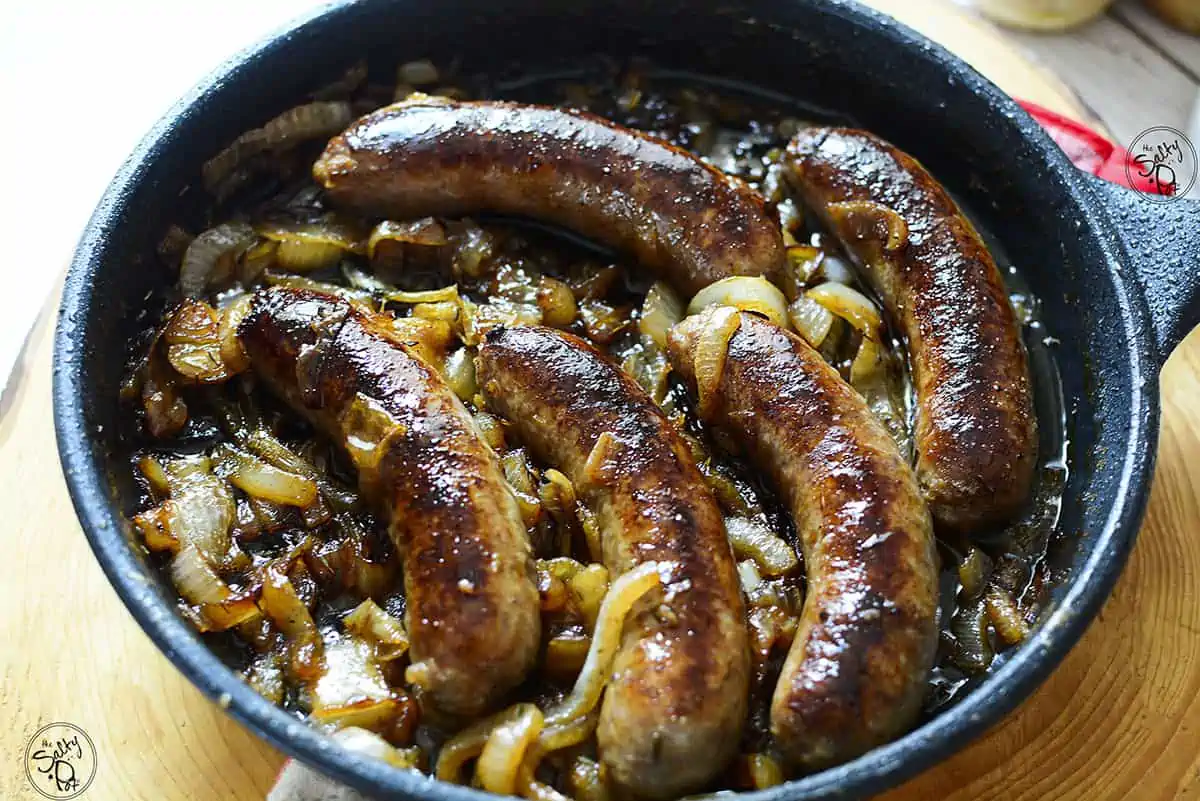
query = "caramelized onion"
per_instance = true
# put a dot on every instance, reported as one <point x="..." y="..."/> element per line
<point x="810" y="319"/>
<point x="748" y="293"/>
<point x="661" y="309"/>
<point x="1006" y="618"/>
<point x="211" y="256"/>
<point x="310" y="121"/>
<point x="351" y="690"/>
<point x="624" y="593"/>
<point x="709" y="361"/>
<point x="851" y="305"/>
<point x="772" y="555"/>
<point x="502" y="754"/>
<point x="269" y="483"/>
<point x="193" y="343"/>
<point x="370" y="622"/>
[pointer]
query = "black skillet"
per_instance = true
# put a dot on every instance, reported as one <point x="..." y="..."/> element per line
<point x="1119" y="277"/>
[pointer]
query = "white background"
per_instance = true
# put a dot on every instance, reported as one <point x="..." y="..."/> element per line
<point x="80" y="82"/>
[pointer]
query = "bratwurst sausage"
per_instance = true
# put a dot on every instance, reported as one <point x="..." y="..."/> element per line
<point x="673" y="711"/>
<point x="672" y="212"/>
<point x="976" y="433"/>
<point x="856" y="672"/>
<point x="469" y="578"/>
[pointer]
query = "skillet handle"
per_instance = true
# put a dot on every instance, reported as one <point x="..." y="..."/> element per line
<point x="1162" y="241"/>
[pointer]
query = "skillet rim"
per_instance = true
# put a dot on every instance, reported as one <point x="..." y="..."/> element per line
<point x="884" y="767"/>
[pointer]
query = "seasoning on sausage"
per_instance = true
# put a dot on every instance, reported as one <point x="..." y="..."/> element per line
<point x="976" y="433"/>
<point x="673" y="712"/>
<point x="857" y="669"/>
<point x="672" y="212"/>
<point x="472" y="611"/>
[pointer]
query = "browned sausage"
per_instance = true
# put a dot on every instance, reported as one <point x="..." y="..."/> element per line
<point x="976" y="433"/>
<point x="472" y="615"/>
<point x="672" y="212"/>
<point x="856" y="672"/>
<point x="673" y="711"/>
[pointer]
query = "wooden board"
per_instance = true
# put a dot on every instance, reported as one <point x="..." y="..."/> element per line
<point x="1117" y="721"/>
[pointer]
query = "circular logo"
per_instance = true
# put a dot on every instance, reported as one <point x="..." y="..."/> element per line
<point x="60" y="761"/>
<point x="1162" y="164"/>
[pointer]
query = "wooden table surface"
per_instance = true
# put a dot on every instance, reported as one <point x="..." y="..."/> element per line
<point x="1118" y="720"/>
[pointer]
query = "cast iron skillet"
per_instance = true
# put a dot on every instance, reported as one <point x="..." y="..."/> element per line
<point x="1119" y="277"/>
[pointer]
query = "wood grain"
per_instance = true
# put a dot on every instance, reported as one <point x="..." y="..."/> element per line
<point x="1117" y="721"/>
<point x="1138" y="86"/>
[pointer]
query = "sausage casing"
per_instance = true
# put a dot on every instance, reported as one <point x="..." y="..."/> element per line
<point x="673" y="711"/>
<point x="976" y="433"/>
<point x="672" y="212"/>
<point x="857" y="669"/>
<point x="472" y="613"/>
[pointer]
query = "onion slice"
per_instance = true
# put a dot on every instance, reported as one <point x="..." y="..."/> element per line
<point x="503" y="753"/>
<point x="215" y="247"/>
<point x="709" y="361"/>
<point x="627" y="590"/>
<point x="748" y="293"/>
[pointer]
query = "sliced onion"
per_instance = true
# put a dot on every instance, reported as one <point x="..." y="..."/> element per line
<point x="868" y="220"/>
<point x="199" y="512"/>
<point x="973" y="650"/>
<point x="661" y="309"/>
<point x="231" y="351"/>
<point x="490" y="428"/>
<point x="309" y="121"/>
<point x="282" y="604"/>
<point x="557" y="302"/>
<point x="586" y="781"/>
<point x="851" y="305"/>
<point x="748" y="576"/>
<point x="155" y="475"/>
<point x="427" y="339"/>
<point x="810" y="319"/>
<point x="364" y="301"/>
<point x="313" y="245"/>
<point x="368" y="743"/>
<point x="389" y="239"/>
<point x="449" y="293"/>
<point x="265" y="675"/>
<point x="589" y="587"/>
<point x="602" y="321"/>
<point x="502" y="754"/>
<point x="752" y="540"/>
<point x="468" y="744"/>
<point x="195" y="578"/>
<point x="552" y="738"/>
<point x="566" y="654"/>
<point x="519" y="474"/>
<point x="709" y="359"/>
<point x="374" y="625"/>
<point x="351" y="690"/>
<point x="748" y="293"/>
<point x="626" y="591"/>
<point x="269" y="483"/>
<point x="199" y="584"/>
<point x="460" y="374"/>
<point x="867" y="364"/>
<point x="1006" y="618"/>
<point x="803" y="262"/>
<point x="193" y="343"/>
<point x="211" y="256"/>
